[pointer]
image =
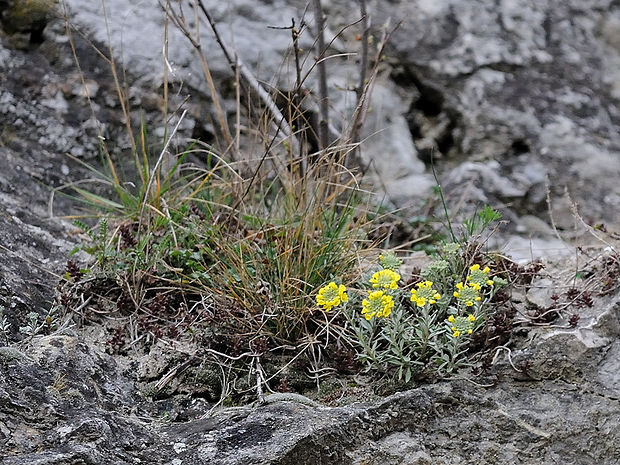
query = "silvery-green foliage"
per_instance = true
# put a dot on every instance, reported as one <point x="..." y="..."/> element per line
<point x="32" y="327"/>
<point x="429" y="327"/>
<point x="5" y="326"/>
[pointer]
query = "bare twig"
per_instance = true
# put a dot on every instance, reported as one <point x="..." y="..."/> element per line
<point x="295" y="34"/>
<point x="238" y="66"/>
<point x="589" y="229"/>
<point x="296" y="98"/>
<point x="359" y="116"/>
<point x="364" y="52"/>
<point x="319" y="19"/>
<point x="180" y="23"/>
<point x="173" y="373"/>
<point x="356" y="130"/>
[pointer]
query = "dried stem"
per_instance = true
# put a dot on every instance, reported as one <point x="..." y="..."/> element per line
<point x="364" y="51"/>
<point x="179" y="21"/>
<point x="365" y="26"/>
<point x="322" y="70"/>
<point x="296" y="99"/>
<point x="359" y="116"/>
<point x="122" y="96"/>
<point x="238" y="66"/>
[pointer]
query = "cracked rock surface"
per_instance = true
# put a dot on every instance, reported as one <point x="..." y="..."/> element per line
<point x="515" y="101"/>
<point x="563" y="408"/>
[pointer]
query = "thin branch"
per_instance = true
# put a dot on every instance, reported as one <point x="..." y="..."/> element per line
<point x="179" y="21"/>
<point x="319" y="19"/>
<point x="295" y="34"/>
<point x="364" y="51"/>
<point x="238" y="66"/>
<point x="359" y="116"/>
<point x="365" y="26"/>
<point x="295" y="110"/>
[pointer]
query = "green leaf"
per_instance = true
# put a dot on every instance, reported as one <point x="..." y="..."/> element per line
<point x="98" y="200"/>
<point x="487" y="214"/>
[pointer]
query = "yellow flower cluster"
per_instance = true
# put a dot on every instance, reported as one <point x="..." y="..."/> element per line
<point x="377" y="304"/>
<point x="479" y="276"/>
<point x="389" y="261"/>
<point x="331" y="296"/>
<point x="468" y="293"/>
<point x="424" y="294"/>
<point x="461" y="324"/>
<point x="385" y="279"/>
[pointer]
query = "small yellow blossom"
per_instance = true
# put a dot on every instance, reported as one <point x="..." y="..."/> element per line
<point x="331" y="296"/>
<point x="385" y="279"/>
<point x="478" y="276"/>
<point x="467" y="293"/>
<point x="377" y="305"/>
<point x="461" y="324"/>
<point x="424" y="294"/>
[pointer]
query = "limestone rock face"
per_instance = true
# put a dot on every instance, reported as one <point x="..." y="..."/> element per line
<point x="529" y="85"/>
<point x="62" y="401"/>
<point x="526" y="84"/>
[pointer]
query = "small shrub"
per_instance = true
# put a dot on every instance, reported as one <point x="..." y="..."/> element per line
<point x="404" y="330"/>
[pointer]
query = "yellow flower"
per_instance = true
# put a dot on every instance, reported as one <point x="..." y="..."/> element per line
<point x="424" y="293"/>
<point x="331" y="296"/>
<point x="385" y="279"/>
<point x="467" y="293"/>
<point x="461" y="324"/>
<point x="378" y="304"/>
<point x="478" y="276"/>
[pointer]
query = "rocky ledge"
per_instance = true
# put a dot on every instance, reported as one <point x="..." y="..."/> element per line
<point x="555" y="398"/>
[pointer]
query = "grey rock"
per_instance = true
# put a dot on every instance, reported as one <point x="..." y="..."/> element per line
<point x="540" y="294"/>
<point x="529" y="79"/>
<point x="527" y="84"/>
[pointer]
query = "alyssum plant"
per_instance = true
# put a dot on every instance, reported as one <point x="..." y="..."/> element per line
<point x="404" y="330"/>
